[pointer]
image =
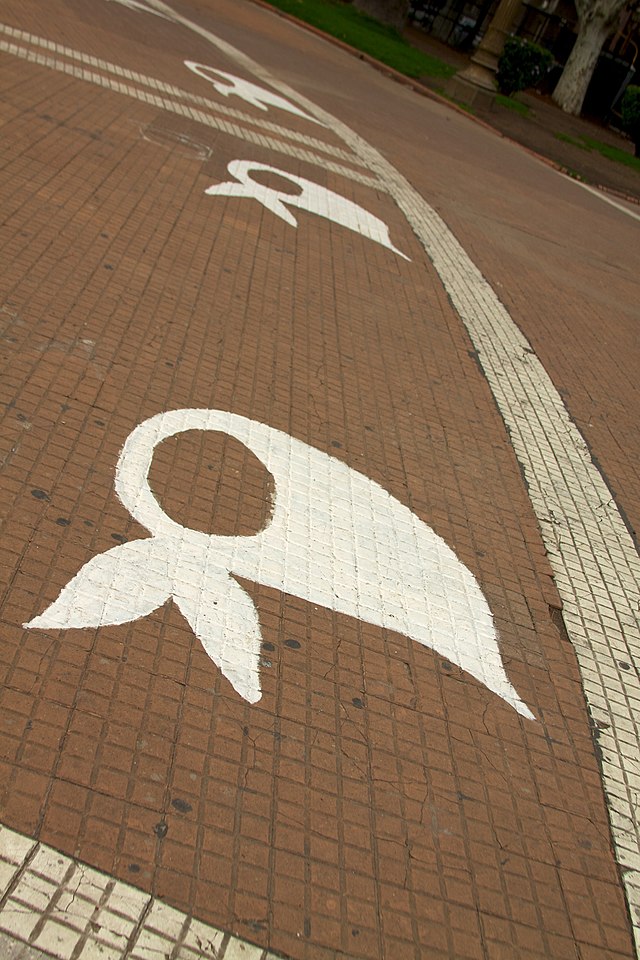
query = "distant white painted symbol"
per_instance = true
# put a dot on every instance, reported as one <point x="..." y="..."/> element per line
<point x="140" y="5"/>
<point x="228" y="84"/>
<point x="312" y="197"/>
<point x="335" y="538"/>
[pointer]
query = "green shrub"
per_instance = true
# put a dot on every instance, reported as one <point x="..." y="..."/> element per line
<point x="521" y="65"/>
<point x="630" y="109"/>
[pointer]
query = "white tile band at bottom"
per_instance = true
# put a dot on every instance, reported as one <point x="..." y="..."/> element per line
<point x="59" y="908"/>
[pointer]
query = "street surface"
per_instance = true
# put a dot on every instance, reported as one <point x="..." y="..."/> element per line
<point x="321" y="590"/>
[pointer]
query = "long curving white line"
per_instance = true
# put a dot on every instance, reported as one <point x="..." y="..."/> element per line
<point x="593" y="556"/>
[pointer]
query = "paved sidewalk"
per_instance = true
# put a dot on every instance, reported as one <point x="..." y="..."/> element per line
<point x="320" y="621"/>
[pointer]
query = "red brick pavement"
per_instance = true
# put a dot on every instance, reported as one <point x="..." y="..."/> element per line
<point x="376" y="802"/>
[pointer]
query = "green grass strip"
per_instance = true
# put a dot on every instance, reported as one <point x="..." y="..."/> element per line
<point x="343" y="21"/>
<point x="510" y="103"/>
<point x="572" y="140"/>
<point x="611" y="153"/>
<point x="459" y="103"/>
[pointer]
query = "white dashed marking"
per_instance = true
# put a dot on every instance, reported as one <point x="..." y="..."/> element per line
<point x="191" y="113"/>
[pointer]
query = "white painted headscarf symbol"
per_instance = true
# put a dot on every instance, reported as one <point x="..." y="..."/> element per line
<point x="228" y="84"/>
<point x="335" y="538"/>
<point x="312" y="197"/>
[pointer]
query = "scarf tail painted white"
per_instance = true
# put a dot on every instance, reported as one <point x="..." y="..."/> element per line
<point x="335" y="538"/>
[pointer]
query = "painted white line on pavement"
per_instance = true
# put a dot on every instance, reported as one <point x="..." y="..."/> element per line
<point x="139" y="5"/>
<point x="159" y="85"/>
<point x="592" y="553"/>
<point x="602" y="196"/>
<point x="64" y="908"/>
<point x="172" y="106"/>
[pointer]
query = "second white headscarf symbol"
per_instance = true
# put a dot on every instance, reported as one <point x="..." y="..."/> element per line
<point x="335" y="538"/>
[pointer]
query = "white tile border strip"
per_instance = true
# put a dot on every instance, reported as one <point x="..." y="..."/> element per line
<point x="592" y="553"/>
<point x="160" y="86"/>
<point x="191" y="113"/>
<point x="68" y="911"/>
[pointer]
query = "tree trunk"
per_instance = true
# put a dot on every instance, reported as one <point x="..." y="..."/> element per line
<point x="572" y="85"/>
<point x="393" y="13"/>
